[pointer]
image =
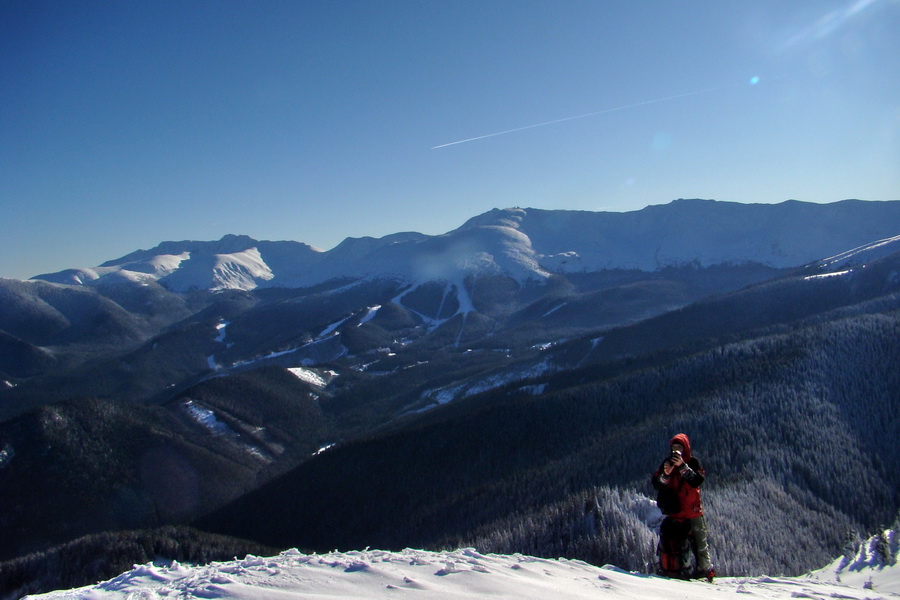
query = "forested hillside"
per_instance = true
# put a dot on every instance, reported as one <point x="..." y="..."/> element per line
<point x="124" y="466"/>
<point x="796" y="430"/>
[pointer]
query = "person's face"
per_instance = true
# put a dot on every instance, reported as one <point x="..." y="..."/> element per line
<point x="678" y="447"/>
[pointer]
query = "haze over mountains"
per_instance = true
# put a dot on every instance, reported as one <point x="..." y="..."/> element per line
<point x="508" y="385"/>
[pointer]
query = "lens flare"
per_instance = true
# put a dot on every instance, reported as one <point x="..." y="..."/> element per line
<point x="831" y="22"/>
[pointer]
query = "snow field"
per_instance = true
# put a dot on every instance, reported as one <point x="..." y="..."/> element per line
<point x="309" y="376"/>
<point x="451" y="575"/>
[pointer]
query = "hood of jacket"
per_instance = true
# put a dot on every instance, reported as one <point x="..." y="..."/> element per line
<point x="682" y="439"/>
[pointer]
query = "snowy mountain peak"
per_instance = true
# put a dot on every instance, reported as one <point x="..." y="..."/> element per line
<point x="229" y="244"/>
<point x="524" y="244"/>
<point x="507" y="217"/>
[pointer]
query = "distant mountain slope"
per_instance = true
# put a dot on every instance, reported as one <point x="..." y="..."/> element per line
<point x="45" y="314"/>
<point x="839" y="263"/>
<point x="19" y="359"/>
<point x="705" y="233"/>
<point x="524" y="244"/>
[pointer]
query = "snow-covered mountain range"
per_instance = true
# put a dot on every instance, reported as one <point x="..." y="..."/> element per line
<point x="524" y="244"/>
<point x="295" y="382"/>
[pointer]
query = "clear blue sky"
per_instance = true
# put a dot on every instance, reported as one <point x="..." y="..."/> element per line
<point x="127" y="123"/>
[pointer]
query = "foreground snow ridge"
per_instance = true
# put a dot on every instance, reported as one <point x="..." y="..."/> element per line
<point x="456" y="575"/>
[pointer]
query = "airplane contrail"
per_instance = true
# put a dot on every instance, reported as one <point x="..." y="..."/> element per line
<point x="590" y="114"/>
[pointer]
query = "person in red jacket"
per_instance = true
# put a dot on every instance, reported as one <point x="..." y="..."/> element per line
<point x="683" y="531"/>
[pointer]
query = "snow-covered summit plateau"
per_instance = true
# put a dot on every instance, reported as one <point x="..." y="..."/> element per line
<point x="451" y="575"/>
<point x="524" y="244"/>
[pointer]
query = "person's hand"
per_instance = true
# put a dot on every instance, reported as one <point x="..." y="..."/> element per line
<point x="668" y="468"/>
<point x="677" y="459"/>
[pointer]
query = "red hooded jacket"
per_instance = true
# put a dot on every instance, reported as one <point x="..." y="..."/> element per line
<point x="684" y="483"/>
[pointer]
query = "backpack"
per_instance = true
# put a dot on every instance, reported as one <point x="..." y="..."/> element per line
<point x="674" y="549"/>
<point x="667" y="500"/>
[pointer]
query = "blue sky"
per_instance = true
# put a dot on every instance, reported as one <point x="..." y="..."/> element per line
<point x="126" y="123"/>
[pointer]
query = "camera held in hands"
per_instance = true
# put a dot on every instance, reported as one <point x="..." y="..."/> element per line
<point x="674" y="456"/>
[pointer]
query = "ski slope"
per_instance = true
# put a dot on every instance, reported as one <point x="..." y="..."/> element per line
<point x="454" y="575"/>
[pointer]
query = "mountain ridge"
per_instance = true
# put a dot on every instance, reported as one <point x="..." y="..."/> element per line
<point x="524" y="244"/>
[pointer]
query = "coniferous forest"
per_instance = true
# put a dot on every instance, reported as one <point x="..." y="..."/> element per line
<point x="794" y="428"/>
